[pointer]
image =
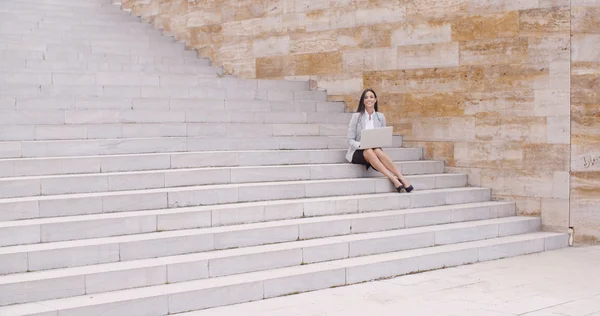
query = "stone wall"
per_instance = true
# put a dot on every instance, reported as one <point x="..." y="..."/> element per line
<point x="585" y="120"/>
<point x="484" y="85"/>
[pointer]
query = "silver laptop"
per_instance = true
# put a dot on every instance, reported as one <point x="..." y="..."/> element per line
<point x="376" y="137"/>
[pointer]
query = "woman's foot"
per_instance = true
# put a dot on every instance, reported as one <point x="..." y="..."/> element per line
<point x="398" y="185"/>
<point x="402" y="186"/>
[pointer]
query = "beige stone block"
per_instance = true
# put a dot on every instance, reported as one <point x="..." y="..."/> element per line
<point x="584" y="185"/>
<point x="235" y="29"/>
<point x="495" y="51"/>
<point x="553" y="3"/>
<point x="380" y="59"/>
<point x="341" y="3"/>
<point x="277" y="66"/>
<point x="374" y="59"/>
<point x="472" y="78"/>
<point x="372" y="36"/>
<point x="436" y="9"/>
<point x="487" y="6"/>
<point x="549" y="49"/>
<point x="318" y="64"/>
<point x="236" y="50"/>
<point x="491" y="127"/>
<point x="272" y="24"/>
<point x="586" y="3"/>
<point x="315" y="21"/>
<point x="524" y="129"/>
<point x="525" y="205"/>
<point x="243" y="68"/>
<point x="552" y="102"/>
<point x="346" y="41"/>
<point x="584" y="76"/>
<point x="313" y="42"/>
<point x="340" y="85"/>
<point x="354" y="60"/>
<point x="304" y="5"/>
<point x="585" y="157"/>
<point x="584" y="128"/>
<point x="271" y="46"/>
<point x="443" y="151"/>
<point x="555" y="213"/>
<point x="553" y="157"/>
<point x="511" y="5"/>
<point x="293" y="22"/>
<point x="204" y="17"/>
<point x="584" y="102"/>
<point x="560" y="74"/>
<point x="585" y="47"/>
<point x="342" y="18"/>
<point x="375" y="15"/>
<point x="432" y="104"/>
<point x="488" y="26"/>
<point x="414" y="80"/>
<point x="585" y="219"/>
<point x="513" y="182"/>
<point x="444" y="128"/>
<point x="561" y="185"/>
<point x="488" y="155"/>
<point x="205" y="35"/>
<point x="559" y="129"/>
<point x="585" y="19"/>
<point x="421" y="33"/>
<point x="488" y="127"/>
<point x="505" y="103"/>
<point x="442" y="55"/>
<point x="473" y="174"/>
<point x="516" y="77"/>
<point x="545" y="20"/>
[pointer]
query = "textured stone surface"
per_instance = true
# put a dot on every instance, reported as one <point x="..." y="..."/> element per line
<point x="585" y="108"/>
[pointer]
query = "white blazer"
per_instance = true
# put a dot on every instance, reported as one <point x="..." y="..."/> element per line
<point x="356" y="125"/>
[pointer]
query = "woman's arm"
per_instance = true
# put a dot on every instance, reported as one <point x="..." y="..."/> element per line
<point x="352" y="133"/>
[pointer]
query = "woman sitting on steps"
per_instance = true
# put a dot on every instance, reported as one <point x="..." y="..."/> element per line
<point x="367" y="117"/>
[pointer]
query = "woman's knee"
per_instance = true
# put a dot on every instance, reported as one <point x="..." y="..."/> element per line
<point x="380" y="153"/>
<point x="369" y="154"/>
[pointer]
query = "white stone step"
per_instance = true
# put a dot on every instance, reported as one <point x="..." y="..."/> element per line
<point x="115" y="146"/>
<point x="149" y="199"/>
<point x="367" y="235"/>
<point x="213" y="292"/>
<point x="136" y="222"/>
<point x="44" y="88"/>
<point x="169" y="178"/>
<point x="138" y="162"/>
<point x="131" y="78"/>
<point x="199" y="66"/>
<point x="37" y="59"/>
<point x="138" y="130"/>
<point x="158" y="111"/>
<point x="86" y="252"/>
<point x="81" y="110"/>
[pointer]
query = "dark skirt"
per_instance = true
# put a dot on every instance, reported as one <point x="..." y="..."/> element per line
<point x="359" y="158"/>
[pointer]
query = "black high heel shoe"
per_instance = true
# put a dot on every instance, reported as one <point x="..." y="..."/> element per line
<point x="409" y="188"/>
<point x="399" y="189"/>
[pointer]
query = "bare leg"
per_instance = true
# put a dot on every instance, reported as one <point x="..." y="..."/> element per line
<point x="389" y="164"/>
<point x="371" y="157"/>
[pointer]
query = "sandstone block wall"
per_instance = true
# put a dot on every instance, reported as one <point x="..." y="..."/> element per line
<point x="495" y="88"/>
<point x="585" y="119"/>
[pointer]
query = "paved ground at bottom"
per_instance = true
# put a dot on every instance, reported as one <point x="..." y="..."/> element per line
<point x="562" y="282"/>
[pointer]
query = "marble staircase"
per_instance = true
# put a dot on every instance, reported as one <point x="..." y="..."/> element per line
<point x="136" y="179"/>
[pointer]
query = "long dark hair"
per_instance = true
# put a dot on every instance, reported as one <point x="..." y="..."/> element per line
<point x="361" y="102"/>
